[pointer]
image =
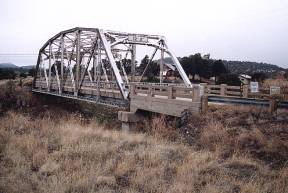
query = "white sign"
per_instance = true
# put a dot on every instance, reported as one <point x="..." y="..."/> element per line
<point x="254" y="87"/>
<point x="275" y="90"/>
<point x="138" y="38"/>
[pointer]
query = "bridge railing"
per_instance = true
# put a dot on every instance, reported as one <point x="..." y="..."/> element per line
<point x="166" y="91"/>
<point x="223" y="90"/>
<point x="244" y="91"/>
<point x="170" y="100"/>
<point x="107" y="89"/>
<point x="169" y="90"/>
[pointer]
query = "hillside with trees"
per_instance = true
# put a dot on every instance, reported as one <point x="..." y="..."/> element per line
<point x="206" y="68"/>
<point x="11" y="71"/>
<point x="244" y="67"/>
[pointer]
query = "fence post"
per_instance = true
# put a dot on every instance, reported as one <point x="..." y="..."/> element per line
<point x="245" y="91"/>
<point x="223" y="89"/>
<point x="196" y="94"/>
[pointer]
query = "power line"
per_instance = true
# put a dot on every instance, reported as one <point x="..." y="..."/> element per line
<point x="18" y="55"/>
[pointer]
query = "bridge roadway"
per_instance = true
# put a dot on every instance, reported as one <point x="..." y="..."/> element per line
<point x="169" y="99"/>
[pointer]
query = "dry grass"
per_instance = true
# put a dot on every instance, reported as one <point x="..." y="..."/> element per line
<point x="251" y="131"/>
<point x="275" y="82"/>
<point x="229" y="150"/>
<point x="38" y="155"/>
<point x="16" y="94"/>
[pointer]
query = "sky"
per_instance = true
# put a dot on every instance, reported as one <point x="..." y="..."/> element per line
<point x="246" y="30"/>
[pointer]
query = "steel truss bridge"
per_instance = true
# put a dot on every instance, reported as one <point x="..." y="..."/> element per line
<point x="99" y="66"/>
<point x="90" y="64"/>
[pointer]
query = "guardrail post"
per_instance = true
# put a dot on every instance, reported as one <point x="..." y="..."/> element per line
<point x="272" y="105"/>
<point x="196" y="94"/>
<point x="170" y="92"/>
<point x="204" y="104"/>
<point x="223" y="89"/>
<point x="245" y="91"/>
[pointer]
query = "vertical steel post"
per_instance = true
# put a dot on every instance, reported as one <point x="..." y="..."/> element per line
<point x="49" y="72"/>
<point x="95" y="60"/>
<point x="77" y="63"/>
<point x="40" y="73"/>
<point x="62" y="63"/>
<point x="94" y="67"/>
<point x="39" y="68"/>
<point x="45" y="72"/>
<point x="161" y="66"/>
<point x="97" y="69"/>
<point x="133" y="62"/>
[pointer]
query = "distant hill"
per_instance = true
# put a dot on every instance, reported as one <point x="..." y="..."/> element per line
<point x="28" y="67"/>
<point x="240" y="67"/>
<point x="13" y="66"/>
<point x="8" y="65"/>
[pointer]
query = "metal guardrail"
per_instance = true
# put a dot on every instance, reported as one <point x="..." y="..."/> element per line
<point x="107" y="101"/>
<point x="246" y="101"/>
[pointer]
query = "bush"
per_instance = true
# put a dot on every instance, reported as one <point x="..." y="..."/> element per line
<point x="23" y="75"/>
<point x="7" y="74"/>
<point x="229" y="79"/>
<point x="31" y="72"/>
<point x="259" y="77"/>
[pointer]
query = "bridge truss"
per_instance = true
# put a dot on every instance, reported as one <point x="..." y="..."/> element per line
<point x="87" y="64"/>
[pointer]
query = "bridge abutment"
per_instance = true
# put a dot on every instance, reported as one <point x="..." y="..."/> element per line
<point x="128" y="119"/>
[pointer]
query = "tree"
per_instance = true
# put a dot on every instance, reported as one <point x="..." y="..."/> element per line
<point x="205" y="70"/>
<point x="229" y="79"/>
<point x="58" y="66"/>
<point x="258" y="76"/>
<point x="152" y="70"/>
<point x="286" y="74"/>
<point x="127" y="65"/>
<point x="197" y="67"/>
<point x="23" y="75"/>
<point x="7" y="74"/>
<point x="140" y="69"/>
<point x="192" y="65"/>
<point x="31" y="72"/>
<point x="218" y="68"/>
<point x="187" y="65"/>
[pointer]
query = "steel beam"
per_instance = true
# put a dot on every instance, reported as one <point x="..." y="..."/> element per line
<point x="77" y="62"/>
<point x="133" y="62"/>
<point x="49" y="73"/>
<point x="161" y="66"/>
<point x="62" y="63"/>
<point x="108" y="51"/>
